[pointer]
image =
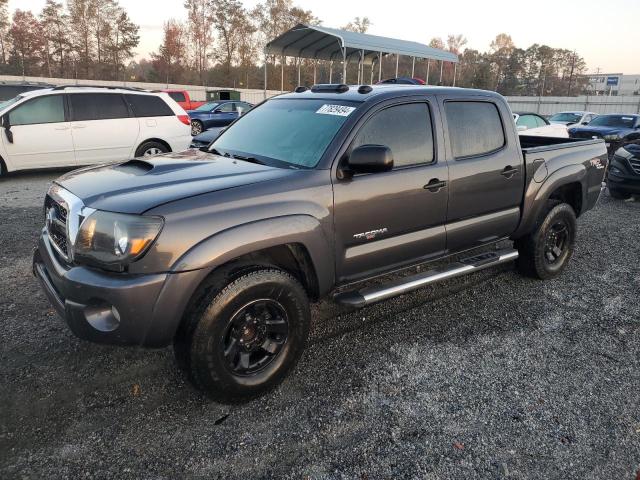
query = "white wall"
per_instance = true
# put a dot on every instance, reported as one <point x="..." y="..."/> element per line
<point x="543" y="105"/>
<point x="600" y="104"/>
<point x="196" y="92"/>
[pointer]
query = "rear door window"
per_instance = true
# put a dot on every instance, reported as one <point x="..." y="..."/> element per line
<point x="226" y="108"/>
<point x="405" y="129"/>
<point x="49" y="109"/>
<point x="528" y="121"/>
<point x="475" y="128"/>
<point x="97" y="106"/>
<point x="148" y="106"/>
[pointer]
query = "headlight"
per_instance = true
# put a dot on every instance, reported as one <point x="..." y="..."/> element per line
<point x="612" y="137"/>
<point x="115" y="239"/>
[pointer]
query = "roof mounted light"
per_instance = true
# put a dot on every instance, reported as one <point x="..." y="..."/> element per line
<point x="330" y="87"/>
<point x="301" y="89"/>
<point x="365" y="89"/>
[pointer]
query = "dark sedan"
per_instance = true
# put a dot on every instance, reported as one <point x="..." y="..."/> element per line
<point x="616" y="130"/>
<point x="216" y="114"/>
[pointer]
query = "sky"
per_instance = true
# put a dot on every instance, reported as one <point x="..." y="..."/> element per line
<point x="606" y="34"/>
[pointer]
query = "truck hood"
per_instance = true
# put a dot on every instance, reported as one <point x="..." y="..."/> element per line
<point x="137" y="185"/>
<point x="600" y="131"/>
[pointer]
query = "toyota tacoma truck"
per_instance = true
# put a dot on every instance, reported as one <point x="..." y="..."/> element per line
<point x="318" y="193"/>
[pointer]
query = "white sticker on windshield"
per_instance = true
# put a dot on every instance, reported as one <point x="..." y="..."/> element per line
<point x="627" y="118"/>
<point x="340" y="110"/>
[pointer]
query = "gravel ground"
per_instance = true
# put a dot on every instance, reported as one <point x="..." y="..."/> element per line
<point x="490" y="376"/>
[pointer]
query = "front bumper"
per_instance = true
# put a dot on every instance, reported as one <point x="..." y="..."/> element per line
<point x="114" y="308"/>
<point x="622" y="177"/>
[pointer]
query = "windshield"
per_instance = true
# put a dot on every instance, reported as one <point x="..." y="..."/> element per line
<point x="566" y="117"/>
<point x="623" y="121"/>
<point x="6" y="103"/>
<point x="296" y="132"/>
<point x="208" y="106"/>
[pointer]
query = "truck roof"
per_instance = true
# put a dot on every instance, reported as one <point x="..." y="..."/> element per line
<point x="361" y="93"/>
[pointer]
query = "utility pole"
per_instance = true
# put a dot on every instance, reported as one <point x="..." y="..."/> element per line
<point x="573" y="64"/>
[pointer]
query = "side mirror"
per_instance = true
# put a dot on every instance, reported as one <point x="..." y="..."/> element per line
<point x="370" y="159"/>
<point x="6" y="124"/>
<point x="585" y="123"/>
<point x="522" y="128"/>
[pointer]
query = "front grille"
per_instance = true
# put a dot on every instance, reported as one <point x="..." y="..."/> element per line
<point x="56" y="222"/>
<point x="635" y="164"/>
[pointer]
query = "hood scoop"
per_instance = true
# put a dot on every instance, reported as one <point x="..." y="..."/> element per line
<point x="154" y="165"/>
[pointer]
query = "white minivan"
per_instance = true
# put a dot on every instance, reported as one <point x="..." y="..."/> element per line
<point x="72" y="126"/>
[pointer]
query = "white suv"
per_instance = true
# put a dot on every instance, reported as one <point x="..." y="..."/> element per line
<point x="72" y="125"/>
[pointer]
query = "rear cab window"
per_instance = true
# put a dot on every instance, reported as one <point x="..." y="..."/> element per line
<point x="406" y="129"/>
<point x="178" y="96"/>
<point x="475" y="128"/>
<point x="148" y="106"/>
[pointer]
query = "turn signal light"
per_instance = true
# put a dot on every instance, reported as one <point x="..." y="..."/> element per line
<point x="184" y="119"/>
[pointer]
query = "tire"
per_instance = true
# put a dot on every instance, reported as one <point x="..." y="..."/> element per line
<point x="545" y="252"/>
<point x="619" y="194"/>
<point x="151" y="148"/>
<point x="242" y="340"/>
<point x="196" y="127"/>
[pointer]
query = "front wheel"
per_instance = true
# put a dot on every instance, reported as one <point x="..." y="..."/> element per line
<point x="245" y="339"/>
<point x="545" y="252"/>
<point x="619" y="194"/>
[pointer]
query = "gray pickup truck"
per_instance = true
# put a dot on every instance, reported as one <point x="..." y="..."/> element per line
<point x="318" y="193"/>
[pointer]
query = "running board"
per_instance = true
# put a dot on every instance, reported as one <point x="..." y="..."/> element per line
<point x="368" y="295"/>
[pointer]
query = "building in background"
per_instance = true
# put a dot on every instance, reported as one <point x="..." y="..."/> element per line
<point x="615" y="84"/>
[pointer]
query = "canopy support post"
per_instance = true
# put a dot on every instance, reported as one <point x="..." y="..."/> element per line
<point x="359" y="64"/>
<point x="428" y="65"/>
<point x="441" y="67"/>
<point x="299" y="65"/>
<point x="455" y="70"/>
<point x="315" y="64"/>
<point x="282" y="74"/>
<point x="397" y="62"/>
<point x="413" y="67"/>
<point x="330" y="71"/>
<point x="380" y="67"/>
<point x="371" y="81"/>
<point x="344" y="65"/>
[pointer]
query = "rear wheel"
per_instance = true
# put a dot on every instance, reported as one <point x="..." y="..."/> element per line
<point x="196" y="127"/>
<point x="545" y="252"/>
<point x="244" y="340"/>
<point x="151" y="148"/>
<point x="619" y="194"/>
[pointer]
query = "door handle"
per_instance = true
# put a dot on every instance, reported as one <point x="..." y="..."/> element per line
<point x="62" y="128"/>
<point x="509" y="171"/>
<point x="435" y="185"/>
<point x="79" y="126"/>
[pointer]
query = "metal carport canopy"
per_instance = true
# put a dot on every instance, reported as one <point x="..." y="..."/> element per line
<point x="322" y="43"/>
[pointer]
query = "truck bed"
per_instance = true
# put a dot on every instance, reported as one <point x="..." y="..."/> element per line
<point x="536" y="144"/>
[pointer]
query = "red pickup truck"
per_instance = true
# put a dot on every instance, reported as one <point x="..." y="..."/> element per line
<point x="183" y="99"/>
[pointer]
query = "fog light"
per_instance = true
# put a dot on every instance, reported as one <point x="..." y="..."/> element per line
<point x="102" y="317"/>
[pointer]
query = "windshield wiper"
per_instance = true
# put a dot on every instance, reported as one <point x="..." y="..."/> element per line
<point x="244" y="158"/>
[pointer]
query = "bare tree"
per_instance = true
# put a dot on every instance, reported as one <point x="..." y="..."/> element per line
<point x="171" y="55"/>
<point x="55" y="26"/>
<point x="358" y="24"/>
<point x="81" y="13"/>
<point x="200" y="18"/>
<point x="26" y="42"/>
<point x="229" y="16"/>
<point x="4" y="26"/>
